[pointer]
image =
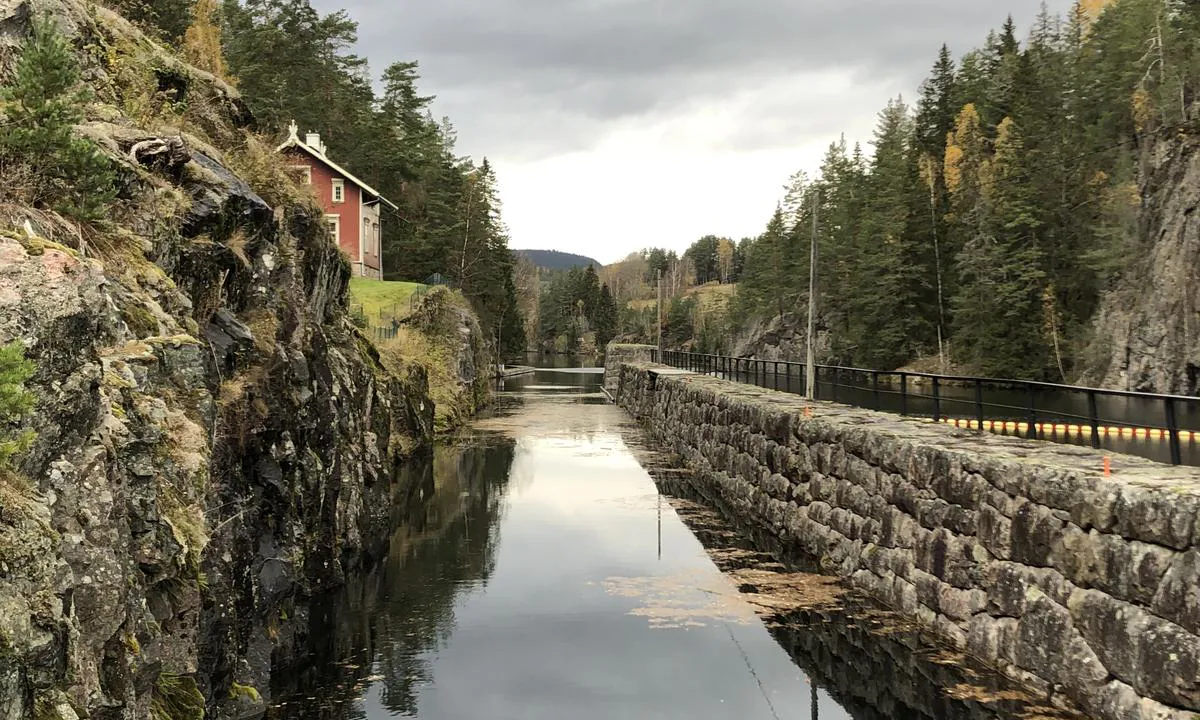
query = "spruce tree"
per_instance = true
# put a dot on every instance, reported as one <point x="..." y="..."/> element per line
<point x="43" y="104"/>
<point x="606" y="317"/>
<point x="887" y="318"/>
<point x="15" y="401"/>
<point x="1000" y="312"/>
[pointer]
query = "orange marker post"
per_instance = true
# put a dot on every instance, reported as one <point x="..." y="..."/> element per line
<point x="1107" y="466"/>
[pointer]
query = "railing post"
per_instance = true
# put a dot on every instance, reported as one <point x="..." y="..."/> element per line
<point x="1173" y="429"/>
<point x="937" y="399"/>
<point x="875" y="388"/>
<point x="1094" y="418"/>
<point x="1032" y="434"/>
<point x="776" y="383"/>
<point x="979" y="403"/>
<point x="903" y="393"/>
<point x="837" y="375"/>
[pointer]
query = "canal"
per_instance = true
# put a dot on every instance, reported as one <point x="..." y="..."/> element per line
<point x="553" y="566"/>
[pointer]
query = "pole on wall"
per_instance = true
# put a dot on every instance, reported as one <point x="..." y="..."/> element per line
<point x="810" y="364"/>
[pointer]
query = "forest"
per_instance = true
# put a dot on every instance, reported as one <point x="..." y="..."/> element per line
<point x="290" y="62"/>
<point x="992" y="215"/>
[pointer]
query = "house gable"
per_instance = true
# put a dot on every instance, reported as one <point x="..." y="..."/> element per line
<point x="351" y="207"/>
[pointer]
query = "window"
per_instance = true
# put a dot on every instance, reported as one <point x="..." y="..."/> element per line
<point x="366" y="233"/>
<point x="334" y="223"/>
<point x="339" y="190"/>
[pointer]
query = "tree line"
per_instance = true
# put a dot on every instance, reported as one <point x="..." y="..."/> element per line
<point x="995" y="213"/>
<point x="573" y="304"/>
<point x="290" y="62"/>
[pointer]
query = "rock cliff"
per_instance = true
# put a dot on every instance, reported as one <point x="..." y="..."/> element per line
<point x="214" y="436"/>
<point x="1148" y="330"/>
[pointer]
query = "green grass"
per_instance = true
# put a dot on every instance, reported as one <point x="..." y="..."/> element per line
<point x="380" y="299"/>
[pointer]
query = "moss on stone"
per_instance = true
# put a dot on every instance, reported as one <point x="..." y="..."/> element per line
<point x="249" y="693"/>
<point x="140" y="320"/>
<point x="176" y="697"/>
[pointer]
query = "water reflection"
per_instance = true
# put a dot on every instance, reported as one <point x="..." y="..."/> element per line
<point x="378" y="629"/>
<point x="538" y="572"/>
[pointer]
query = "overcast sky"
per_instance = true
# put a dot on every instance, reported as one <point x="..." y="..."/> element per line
<point x="620" y="124"/>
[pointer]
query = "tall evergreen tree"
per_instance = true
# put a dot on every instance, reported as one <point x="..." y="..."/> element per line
<point x="605" y="321"/>
<point x="1000" y="302"/>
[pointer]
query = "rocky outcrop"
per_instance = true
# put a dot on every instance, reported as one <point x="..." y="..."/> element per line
<point x="782" y="337"/>
<point x="214" y="437"/>
<point x="1147" y="334"/>
<point x="460" y="377"/>
<point x="1023" y="554"/>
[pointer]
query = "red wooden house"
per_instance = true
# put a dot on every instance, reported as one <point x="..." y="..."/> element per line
<point x="351" y="206"/>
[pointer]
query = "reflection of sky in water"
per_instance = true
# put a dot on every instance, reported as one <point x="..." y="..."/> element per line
<point x="545" y="639"/>
<point x="553" y="582"/>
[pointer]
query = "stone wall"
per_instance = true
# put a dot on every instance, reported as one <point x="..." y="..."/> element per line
<point x="616" y="355"/>
<point x="1022" y="553"/>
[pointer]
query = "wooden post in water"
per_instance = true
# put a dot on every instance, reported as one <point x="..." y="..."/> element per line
<point x="810" y="364"/>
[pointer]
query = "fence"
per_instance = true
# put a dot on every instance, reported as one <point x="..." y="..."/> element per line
<point x="1112" y="419"/>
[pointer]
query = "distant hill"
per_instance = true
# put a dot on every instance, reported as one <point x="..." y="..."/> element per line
<point x="556" y="260"/>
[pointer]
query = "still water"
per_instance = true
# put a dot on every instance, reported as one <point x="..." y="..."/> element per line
<point x="546" y="570"/>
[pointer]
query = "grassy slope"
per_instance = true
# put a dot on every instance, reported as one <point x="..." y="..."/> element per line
<point x="381" y="299"/>
<point x="708" y="296"/>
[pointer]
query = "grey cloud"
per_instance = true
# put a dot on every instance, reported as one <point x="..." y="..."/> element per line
<point x="501" y="66"/>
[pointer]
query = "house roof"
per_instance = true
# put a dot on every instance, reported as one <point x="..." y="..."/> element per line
<point x="295" y="141"/>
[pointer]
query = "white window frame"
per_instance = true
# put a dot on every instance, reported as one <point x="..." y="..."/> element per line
<point x="338" y="193"/>
<point x="336" y="230"/>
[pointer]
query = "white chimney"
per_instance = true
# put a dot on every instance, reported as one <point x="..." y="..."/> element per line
<point x="313" y="140"/>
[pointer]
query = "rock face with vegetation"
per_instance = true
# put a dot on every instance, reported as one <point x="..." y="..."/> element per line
<point x="212" y="436"/>
<point x="443" y="337"/>
<point x="1148" y="337"/>
<point x="1077" y="583"/>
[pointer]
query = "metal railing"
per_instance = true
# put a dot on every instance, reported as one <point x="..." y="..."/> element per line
<point x="1113" y="419"/>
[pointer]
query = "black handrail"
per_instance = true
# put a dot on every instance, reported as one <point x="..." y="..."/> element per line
<point x="1037" y="418"/>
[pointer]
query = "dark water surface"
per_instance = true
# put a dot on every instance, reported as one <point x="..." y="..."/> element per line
<point x="542" y="574"/>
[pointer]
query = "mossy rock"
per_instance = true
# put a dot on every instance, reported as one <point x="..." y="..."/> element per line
<point x="176" y="697"/>
<point x="141" y="321"/>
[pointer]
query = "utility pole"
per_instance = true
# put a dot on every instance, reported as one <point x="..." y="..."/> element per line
<point x="810" y="364"/>
<point x="660" y="315"/>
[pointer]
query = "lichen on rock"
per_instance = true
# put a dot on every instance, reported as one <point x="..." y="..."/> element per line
<point x="212" y="434"/>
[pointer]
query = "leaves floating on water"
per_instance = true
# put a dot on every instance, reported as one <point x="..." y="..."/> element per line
<point x="699" y="597"/>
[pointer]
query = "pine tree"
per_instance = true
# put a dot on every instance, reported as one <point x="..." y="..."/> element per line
<point x="15" y="401"/>
<point x="43" y="104"/>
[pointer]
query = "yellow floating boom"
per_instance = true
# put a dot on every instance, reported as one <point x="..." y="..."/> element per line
<point x="1058" y="429"/>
